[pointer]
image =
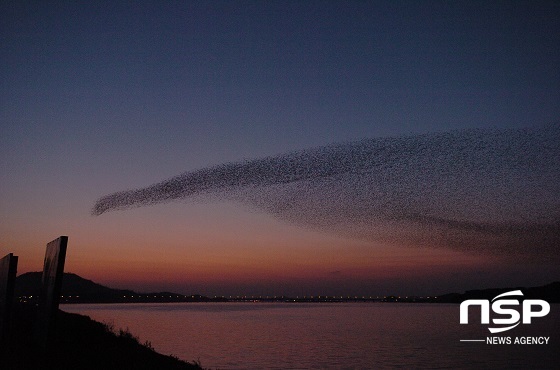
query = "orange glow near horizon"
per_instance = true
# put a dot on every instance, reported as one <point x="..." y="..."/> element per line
<point x="251" y="264"/>
<point x="151" y="249"/>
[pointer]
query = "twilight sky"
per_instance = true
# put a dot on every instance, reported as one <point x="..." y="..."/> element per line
<point x="99" y="97"/>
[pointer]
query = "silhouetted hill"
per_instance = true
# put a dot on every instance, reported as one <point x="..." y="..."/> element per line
<point x="73" y="285"/>
<point x="549" y="292"/>
<point x="76" y="289"/>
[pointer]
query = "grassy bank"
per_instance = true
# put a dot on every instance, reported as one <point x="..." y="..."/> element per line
<point x="80" y="343"/>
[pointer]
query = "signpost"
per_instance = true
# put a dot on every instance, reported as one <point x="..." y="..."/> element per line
<point x="49" y="295"/>
<point x="8" y="269"/>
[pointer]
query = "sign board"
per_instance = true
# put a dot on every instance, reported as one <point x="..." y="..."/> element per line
<point x="8" y="269"/>
<point x="49" y="295"/>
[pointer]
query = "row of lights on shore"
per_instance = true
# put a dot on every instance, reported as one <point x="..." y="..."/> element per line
<point x="322" y="297"/>
<point x="247" y="297"/>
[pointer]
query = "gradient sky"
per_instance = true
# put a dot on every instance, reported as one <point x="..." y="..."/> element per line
<point x="97" y="97"/>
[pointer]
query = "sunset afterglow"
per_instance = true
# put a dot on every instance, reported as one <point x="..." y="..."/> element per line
<point x="298" y="148"/>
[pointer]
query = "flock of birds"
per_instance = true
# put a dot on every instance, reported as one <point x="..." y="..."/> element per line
<point x="495" y="191"/>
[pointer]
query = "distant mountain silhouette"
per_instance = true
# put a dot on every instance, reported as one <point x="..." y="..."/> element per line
<point x="76" y="289"/>
<point x="549" y="292"/>
<point x="73" y="285"/>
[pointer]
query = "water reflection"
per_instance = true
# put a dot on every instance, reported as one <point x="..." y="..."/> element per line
<point x="338" y="335"/>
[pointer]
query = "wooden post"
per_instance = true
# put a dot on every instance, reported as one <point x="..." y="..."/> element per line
<point x="49" y="296"/>
<point x="8" y="270"/>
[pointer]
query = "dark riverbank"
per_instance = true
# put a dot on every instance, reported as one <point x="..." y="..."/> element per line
<point x="80" y="343"/>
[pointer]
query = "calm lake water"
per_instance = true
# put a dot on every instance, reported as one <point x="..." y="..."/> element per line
<point x="325" y="335"/>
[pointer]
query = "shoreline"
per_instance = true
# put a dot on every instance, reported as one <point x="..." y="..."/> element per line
<point x="79" y="342"/>
<point x="77" y="290"/>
